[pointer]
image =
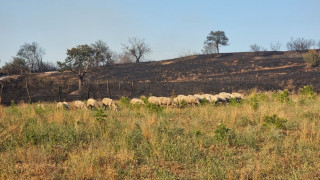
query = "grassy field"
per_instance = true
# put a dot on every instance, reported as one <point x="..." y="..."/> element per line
<point x="272" y="135"/>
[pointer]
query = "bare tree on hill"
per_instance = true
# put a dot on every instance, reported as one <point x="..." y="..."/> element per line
<point x="137" y="49"/>
<point x="275" y="46"/>
<point x="32" y="54"/>
<point x="300" y="44"/>
<point x="255" y="48"/>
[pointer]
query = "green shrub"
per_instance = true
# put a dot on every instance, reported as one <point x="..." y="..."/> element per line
<point x="254" y="102"/>
<point x="100" y="115"/>
<point x="307" y="91"/>
<point x="312" y="58"/>
<point x="224" y="135"/>
<point x="235" y="102"/>
<point x="183" y="104"/>
<point x="154" y="107"/>
<point x="204" y="101"/>
<point x="282" y="96"/>
<point x="144" y="99"/>
<point x="275" y="121"/>
<point x="125" y="101"/>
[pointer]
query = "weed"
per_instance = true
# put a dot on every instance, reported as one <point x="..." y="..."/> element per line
<point x="154" y="107"/>
<point x="308" y="91"/>
<point x="125" y="101"/>
<point x="275" y="121"/>
<point x="100" y="115"/>
<point x="224" y="134"/>
<point x="254" y="102"/>
<point x="282" y="96"/>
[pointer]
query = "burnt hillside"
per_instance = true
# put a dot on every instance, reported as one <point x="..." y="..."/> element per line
<point x="188" y="75"/>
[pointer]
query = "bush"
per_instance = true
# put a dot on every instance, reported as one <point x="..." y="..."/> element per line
<point x="224" y="134"/>
<point x="125" y="101"/>
<point x="204" y="101"/>
<point x="300" y="44"/>
<point x="308" y="91"/>
<point x="154" y="107"/>
<point x="275" y="121"/>
<point x="282" y="96"/>
<point x="100" y="115"/>
<point x="254" y="102"/>
<point x="312" y="58"/>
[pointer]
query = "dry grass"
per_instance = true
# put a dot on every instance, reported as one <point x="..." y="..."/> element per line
<point x="138" y="143"/>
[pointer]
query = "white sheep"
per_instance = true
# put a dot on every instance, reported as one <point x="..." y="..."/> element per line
<point x="135" y="101"/>
<point x="190" y="99"/>
<point x="165" y="101"/>
<point x="79" y="104"/>
<point x="107" y="102"/>
<point x="200" y="97"/>
<point x="62" y="105"/>
<point x="237" y="95"/>
<point x="227" y="96"/>
<point x="92" y="103"/>
<point x="153" y="100"/>
<point x="220" y="98"/>
<point x="179" y="99"/>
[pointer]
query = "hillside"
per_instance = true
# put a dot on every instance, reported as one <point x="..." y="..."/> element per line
<point x="187" y="75"/>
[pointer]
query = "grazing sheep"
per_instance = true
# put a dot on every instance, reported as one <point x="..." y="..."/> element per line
<point x="79" y="105"/>
<point x="135" y="101"/>
<point x="208" y="97"/>
<point x="227" y="96"/>
<point x="92" y="103"/>
<point x="200" y="97"/>
<point x="107" y="102"/>
<point x="213" y="99"/>
<point x="114" y="107"/>
<point x="165" y="101"/>
<point x="220" y="98"/>
<point x="179" y="99"/>
<point x="62" y="105"/>
<point x="190" y="99"/>
<point x="153" y="100"/>
<point x="237" y="95"/>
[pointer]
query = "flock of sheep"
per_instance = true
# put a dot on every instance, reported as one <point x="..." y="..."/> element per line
<point x="193" y="100"/>
<point x="91" y="104"/>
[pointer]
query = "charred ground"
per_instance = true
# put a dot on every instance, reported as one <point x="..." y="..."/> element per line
<point x="187" y="75"/>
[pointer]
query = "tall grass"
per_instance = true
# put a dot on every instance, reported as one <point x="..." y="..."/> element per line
<point x="268" y="135"/>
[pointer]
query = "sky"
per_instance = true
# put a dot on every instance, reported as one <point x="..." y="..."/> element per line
<point x="172" y="28"/>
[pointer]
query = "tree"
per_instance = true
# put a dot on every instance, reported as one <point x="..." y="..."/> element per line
<point x="32" y="54"/>
<point x="275" y="46"/>
<point x="318" y="44"/>
<point x="79" y="60"/>
<point x="216" y="39"/>
<point x="125" y="58"/>
<point x="137" y="49"/>
<point x="209" y="49"/>
<point x="255" y="48"/>
<point x="16" y="66"/>
<point x="312" y="58"/>
<point x="300" y="44"/>
<point x="102" y="54"/>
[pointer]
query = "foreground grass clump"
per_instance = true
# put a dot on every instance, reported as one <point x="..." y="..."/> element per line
<point x="268" y="135"/>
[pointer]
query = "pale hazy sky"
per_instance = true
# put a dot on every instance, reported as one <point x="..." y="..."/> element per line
<point x="171" y="27"/>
